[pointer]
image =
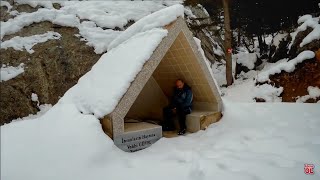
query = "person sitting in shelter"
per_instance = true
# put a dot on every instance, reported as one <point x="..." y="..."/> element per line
<point x="180" y="105"/>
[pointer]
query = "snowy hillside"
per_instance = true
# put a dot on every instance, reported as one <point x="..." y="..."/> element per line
<point x="261" y="80"/>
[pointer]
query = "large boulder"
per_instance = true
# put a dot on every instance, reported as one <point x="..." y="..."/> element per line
<point x="54" y="67"/>
<point x="246" y="62"/>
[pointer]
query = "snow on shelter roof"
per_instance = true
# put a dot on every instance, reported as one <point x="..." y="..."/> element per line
<point x="155" y="20"/>
<point x="99" y="91"/>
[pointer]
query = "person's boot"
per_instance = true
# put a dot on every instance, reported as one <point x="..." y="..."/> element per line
<point x="171" y="128"/>
<point x="167" y="128"/>
<point x="182" y="132"/>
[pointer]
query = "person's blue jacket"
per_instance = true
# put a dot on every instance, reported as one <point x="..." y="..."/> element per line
<point x="182" y="98"/>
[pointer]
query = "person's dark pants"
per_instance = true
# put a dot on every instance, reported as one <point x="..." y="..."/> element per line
<point x="168" y="115"/>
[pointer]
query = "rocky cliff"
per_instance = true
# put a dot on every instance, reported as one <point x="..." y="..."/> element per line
<point x="54" y="67"/>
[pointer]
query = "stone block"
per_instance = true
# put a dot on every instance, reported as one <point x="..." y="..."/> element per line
<point x="200" y="120"/>
<point x="138" y="136"/>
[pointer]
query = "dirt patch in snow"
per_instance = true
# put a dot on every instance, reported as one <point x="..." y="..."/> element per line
<point x="296" y="83"/>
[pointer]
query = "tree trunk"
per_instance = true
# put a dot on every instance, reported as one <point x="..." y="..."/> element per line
<point x="227" y="38"/>
<point x="262" y="45"/>
<point x="239" y="36"/>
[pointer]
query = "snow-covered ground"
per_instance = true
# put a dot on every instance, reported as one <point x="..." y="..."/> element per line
<point x="252" y="141"/>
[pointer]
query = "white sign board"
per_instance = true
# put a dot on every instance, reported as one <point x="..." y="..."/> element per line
<point x="137" y="140"/>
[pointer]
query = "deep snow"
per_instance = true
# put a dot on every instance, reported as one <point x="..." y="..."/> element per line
<point x="252" y="141"/>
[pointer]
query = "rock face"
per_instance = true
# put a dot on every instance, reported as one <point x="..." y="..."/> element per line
<point x="54" y="67"/>
<point x="203" y="28"/>
<point x="20" y="8"/>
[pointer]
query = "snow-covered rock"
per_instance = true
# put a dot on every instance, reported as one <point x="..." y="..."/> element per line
<point x="306" y="36"/>
<point x="309" y="21"/>
<point x="6" y="4"/>
<point x="246" y="59"/>
<point x="21" y="43"/>
<point x="268" y="93"/>
<point x="314" y="93"/>
<point x="9" y="72"/>
<point x="288" y="66"/>
<point x="34" y="97"/>
<point x="198" y="20"/>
